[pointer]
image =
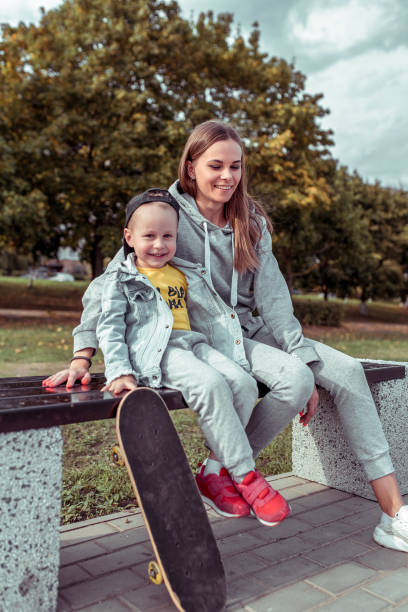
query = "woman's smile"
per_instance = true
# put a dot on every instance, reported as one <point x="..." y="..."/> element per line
<point x="217" y="173"/>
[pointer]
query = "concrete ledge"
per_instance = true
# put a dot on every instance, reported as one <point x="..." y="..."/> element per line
<point x="30" y="504"/>
<point x="321" y="453"/>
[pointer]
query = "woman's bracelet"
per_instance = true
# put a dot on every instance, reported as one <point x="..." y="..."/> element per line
<point x="82" y="357"/>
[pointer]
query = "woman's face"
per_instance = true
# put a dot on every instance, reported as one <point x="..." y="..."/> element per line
<point x="217" y="173"/>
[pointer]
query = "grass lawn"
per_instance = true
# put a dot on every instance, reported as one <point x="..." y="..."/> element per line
<point x="374" y="344"/>
<point x="43" y="295"/>
<point x="92" y="485"/>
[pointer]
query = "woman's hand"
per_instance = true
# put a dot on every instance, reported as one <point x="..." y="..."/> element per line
<point x="79" y="369"/>
<point x="311" y="408"/>
<point x="118" y="385"/>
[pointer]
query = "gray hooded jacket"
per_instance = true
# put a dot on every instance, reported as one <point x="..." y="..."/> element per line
<point x="201" y="242"/>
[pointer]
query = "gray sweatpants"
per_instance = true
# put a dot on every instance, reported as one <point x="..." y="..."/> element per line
<point x="224" y="395"/>
<point x="221" y="393"/>
<point x="341" y="375"/>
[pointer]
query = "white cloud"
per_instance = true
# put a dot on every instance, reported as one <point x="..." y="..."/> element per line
<point x="335" y="27"/>
<point x="367" y="98"/>
<point x="25" y="10"/>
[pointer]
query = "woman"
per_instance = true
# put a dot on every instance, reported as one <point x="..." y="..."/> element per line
<point x="224" y="229"/>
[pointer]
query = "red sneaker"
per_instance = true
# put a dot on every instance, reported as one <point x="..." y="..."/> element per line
<point x="220" y="493"/>
<point x="269" y="507"/>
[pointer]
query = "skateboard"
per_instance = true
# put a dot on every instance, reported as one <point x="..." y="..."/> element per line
<point x="187" y="556"/>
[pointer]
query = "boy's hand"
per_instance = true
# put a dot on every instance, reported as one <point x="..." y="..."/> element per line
<point x="78" y="370"/>
<point x="118" y="385"/>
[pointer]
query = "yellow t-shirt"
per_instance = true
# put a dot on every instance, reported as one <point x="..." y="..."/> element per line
<point x="172" y="285"/>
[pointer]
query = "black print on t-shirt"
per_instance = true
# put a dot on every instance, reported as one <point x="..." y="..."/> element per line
<point x="175" y="291"/>
<point x="179" y="291"/>
<point x="176" y="294"/>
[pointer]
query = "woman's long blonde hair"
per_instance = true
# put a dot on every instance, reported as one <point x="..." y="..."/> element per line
<point x="243" y="212"/>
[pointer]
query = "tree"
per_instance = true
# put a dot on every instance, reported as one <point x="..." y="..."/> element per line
<point x="96" y="104"/>
<point x="98" y="121"/>
<point x="360" y="240"/>
<point x="386" y="212"/>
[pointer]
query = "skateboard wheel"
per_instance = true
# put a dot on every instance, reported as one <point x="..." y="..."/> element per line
<point x="116" y="456"/>
<point x="154" y="572"/>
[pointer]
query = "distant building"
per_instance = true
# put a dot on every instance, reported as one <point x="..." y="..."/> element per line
<point x="68" y="261"/>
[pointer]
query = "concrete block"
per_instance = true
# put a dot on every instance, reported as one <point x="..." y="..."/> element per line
<point x="72" y="574"/>
<point x="333" y="554"/>
<point x="239" y="566"/>
<point x="276" y="552"/>
<point x="296" y="598"/>
<point x="384" y="559"/>
<point x="242" y="589"/>
<point x="80" y="552"/>
<point x="393" y="587"/>
<point x="321" y="453"/>
<point x="30" y="505"/>
<point x="151" y="597"/>
<point x="101" y="588"/>
<point x="123" y="539"/>
<point x="343" y="577"/>
<point x="238" y="543"/>
<point x="126" y="557"/>
<point x="358" y="601"/>
<point x="291" y="570"/>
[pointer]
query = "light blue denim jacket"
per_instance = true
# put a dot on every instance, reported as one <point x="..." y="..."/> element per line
<point x="134" y="321"/>
<point x="211" y="248"/>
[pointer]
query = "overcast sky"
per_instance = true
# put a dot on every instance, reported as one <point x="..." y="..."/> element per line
<point x="355" y="52"/>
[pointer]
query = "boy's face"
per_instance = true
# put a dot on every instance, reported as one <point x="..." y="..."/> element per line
<point x="152" y="232"/>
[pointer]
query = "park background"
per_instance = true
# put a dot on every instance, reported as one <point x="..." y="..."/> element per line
<point x="97" y="100"/>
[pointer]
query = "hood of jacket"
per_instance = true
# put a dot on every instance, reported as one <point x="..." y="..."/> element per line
<point x="203" y="242"/>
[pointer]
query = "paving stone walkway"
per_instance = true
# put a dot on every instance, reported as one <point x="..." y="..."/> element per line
<point x="321" y="558"/>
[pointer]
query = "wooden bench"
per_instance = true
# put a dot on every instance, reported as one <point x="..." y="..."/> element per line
<point x="25" y="404"/>
<point x="30" y="483"/>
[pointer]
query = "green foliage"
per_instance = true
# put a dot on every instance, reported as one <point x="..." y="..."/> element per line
<point x="12" y="264"/>
<point x="314" y="312"/>
<point x="92" y="484"/>
<point x="383" y="344"/>
<point x="97" y="101"/>
<point x="357" y="245"/>
<point x="95" y="491"/>
<point x="37" y="340"/>
<point x="96" y="104"/>
<point x="42" y="295"/>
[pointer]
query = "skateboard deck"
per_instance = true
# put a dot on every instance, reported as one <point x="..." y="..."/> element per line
<point x="167" y="494"/>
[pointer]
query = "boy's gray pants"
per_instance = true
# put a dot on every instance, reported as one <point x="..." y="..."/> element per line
<point x="221" y="393"/>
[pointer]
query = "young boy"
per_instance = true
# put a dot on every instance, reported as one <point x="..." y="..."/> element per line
<point x="145" y="335"/>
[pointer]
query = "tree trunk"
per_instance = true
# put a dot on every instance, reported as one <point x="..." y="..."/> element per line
<point x="96" y="261"/>
<point x="363" y="302"/>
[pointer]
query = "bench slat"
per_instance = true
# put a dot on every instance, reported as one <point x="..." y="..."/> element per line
<point x="380" y="372"/>
<point x="25" y="404"/>
<point x="76" y="406"/>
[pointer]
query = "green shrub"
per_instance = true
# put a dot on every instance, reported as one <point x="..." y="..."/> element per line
<point x="313" y="312"/>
